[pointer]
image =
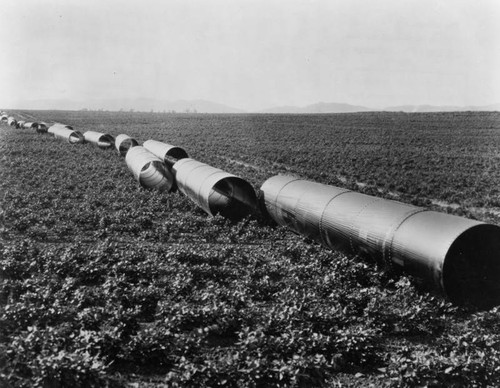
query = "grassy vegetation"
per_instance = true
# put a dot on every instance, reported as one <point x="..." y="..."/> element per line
<point x="107" y="284"/>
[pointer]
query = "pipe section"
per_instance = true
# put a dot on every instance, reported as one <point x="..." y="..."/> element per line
<point x="123" y="143"/>
<point x="102" y="140"/>
<point x="214" y="190"/>
<point x="30" y="125"/>
<point x="65" y="133"/>
<point x="459" y="257"/>
<point x="41" y="128"/>
<point x="168" y="153"/>
<point x="149" y="170"/>
<point x="12" y="121"/>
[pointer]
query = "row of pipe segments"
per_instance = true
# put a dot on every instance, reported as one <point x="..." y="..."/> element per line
<point x="456" y="256"/>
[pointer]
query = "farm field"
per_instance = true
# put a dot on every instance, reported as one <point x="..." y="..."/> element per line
<point x="104" y="283"/>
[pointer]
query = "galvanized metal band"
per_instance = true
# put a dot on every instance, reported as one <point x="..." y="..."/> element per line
<point x="353" y="219"/>
<point x="279" y="192"/>
<point x="321" y="229"/>
<point x="387" y="248"/>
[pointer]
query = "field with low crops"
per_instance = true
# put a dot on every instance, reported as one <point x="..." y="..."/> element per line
<point x="103" y="283"/>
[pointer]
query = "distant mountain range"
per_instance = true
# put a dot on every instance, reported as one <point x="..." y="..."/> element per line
<point x="320" y="107"/>
<point x="332" y="107"/>
<point x="443" y="108"/>
<point x="204" y="106"/>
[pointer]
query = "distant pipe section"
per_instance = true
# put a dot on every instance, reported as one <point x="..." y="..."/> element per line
<point x="214" y="190"/>
<point x="170" y="154"/>
<point x="41" y="128"/>
<point x="30" y="125"/>
<point x="123" y="143"/>
<point x="149" y="170"/>
<point x="12" y="121"/>
<point x="57" y="125"/>
<point x="102" y="140"/>
<point x="67" y="133"/>
<point x="459" y="257"/>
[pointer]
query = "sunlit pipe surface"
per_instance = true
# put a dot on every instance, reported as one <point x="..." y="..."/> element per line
<point x="149" y="170"/>
<point x="168" y="153"/>
<point x="29" y="125"/>
<point x="102" y="140"/>
<point x="65" y="133"/>
<point x="124" y="142"/>
<point x="58" y="125"/>
<point x="12" y="121"/>
<point x="457" y="256"/>
<point x="214" y="190"/>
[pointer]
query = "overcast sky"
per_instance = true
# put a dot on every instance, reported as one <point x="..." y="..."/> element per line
<point x="252" y="54"/>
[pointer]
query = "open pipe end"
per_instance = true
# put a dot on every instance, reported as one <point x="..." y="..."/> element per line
<point x="76" y="138"/>
<point x="232" y="198"/>
<point x="154" y="175"/>
<point x="471" y="271"/>
<point x="126" y="145"/>
<point x="105" y="142"/>
<point x="177" y="153"/>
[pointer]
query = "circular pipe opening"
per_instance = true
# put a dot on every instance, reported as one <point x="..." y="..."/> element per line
<point x="471" y="270"/>
<point x="154" y="175"/>
<point x="177" y="153"/>
<point x="105" y="142"/>
<point x="127" y="144"/>
<point x="232" y="198"/>
<point x="75" y="138"/>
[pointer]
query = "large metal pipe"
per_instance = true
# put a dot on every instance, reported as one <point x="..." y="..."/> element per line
<point x="30" y="125"/>
<point x="170" y="154"/>
<point x="57" y="125"/>
<point x="149" y="170"/>
<point x="41" y="128"/>
<point x="214" y="190"/>
<point x="123" y="143"/>
<point x="12" y="121"/>
<point x="67" y="133"/>
<point x="457" y="256"/>
<point x="102" y="140"/>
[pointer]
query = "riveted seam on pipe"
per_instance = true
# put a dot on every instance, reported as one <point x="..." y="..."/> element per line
<point x="352" y="224"/>
<point x="322" y="231"/>
<point x="387" y="247"/>
<point x="279" y="192"/>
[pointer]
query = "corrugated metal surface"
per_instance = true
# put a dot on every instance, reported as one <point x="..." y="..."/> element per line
<point x="170" y="154"/>
<point x="214" y="190"/>
<point x="102" y="140"/>
<point x="70" y="135"/>
<point x="458" y="256"/>
<point x="123" y="143"/>
<point x="149" y="170"/>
